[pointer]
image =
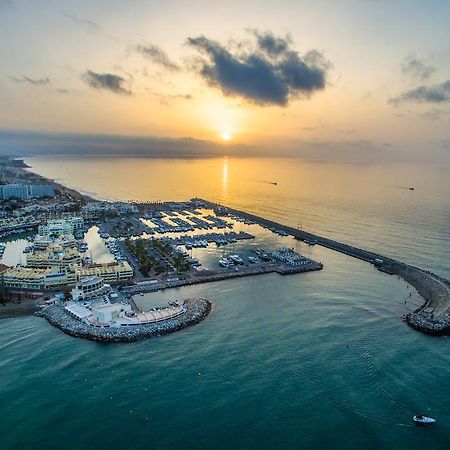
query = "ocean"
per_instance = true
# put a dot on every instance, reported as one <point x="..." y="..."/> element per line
<point x="314" y="360"/>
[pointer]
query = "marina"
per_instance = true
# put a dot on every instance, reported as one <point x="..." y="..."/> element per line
<point x="225" y="225"/>
<point x="159" y="245"/>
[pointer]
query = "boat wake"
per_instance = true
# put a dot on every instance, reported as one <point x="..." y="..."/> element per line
<point x="330" y="395"/>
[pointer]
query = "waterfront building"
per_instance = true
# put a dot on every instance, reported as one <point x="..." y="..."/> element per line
<point x="78" y="311"/>
<point x="108" y="313"/>
<point x="66" y="241"/>
<point x="41" y="190"/>
<point x="17" y="223"/>
<point x="55" y="277"/>
<point x="30" y="278"/>
<point x="114" y="272"/>
<point x="19" y="191"/>
<point x="96" y="209"/>
<point x="289" y="257"/>
<point x="61" y="226"/>
<point x="26" y="191"/>
<point x="89" y="287"/>
<point x="54" y="256"/>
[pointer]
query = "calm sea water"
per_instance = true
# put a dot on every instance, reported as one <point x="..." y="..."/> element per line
<point x="315" y="360"/>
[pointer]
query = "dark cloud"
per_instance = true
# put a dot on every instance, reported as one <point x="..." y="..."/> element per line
<point x="158" y="56"/>
<point x="24" y="143"/>
<point x="416" y="68"/>
<point x="269" y="72"/>
<point x="438" y="93"/>
<point x="32" y="81"/>
<point x="106" y="81"/>
<point x="270" y="43"/>
<point x="89" y="25"/>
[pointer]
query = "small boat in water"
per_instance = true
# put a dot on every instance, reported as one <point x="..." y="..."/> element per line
<point x="423" y="420"/>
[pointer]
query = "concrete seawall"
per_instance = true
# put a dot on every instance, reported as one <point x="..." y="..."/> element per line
<point x="432" y="318"/>
<point x="221" y="276"/>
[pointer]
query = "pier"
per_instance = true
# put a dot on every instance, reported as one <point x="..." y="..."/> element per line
<point x="432" y="318"/>
<point x="210" y="276"/>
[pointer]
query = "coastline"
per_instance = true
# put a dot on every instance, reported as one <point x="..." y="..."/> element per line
<point x="432" y="318"/>
<point x="76" y="195"/>
<point x="12" y="310"/>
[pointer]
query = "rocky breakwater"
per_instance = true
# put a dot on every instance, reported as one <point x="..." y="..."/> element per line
<point x="196" y="310"/>
<point x="433" y="317"/>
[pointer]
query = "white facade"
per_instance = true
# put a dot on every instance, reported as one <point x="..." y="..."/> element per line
<point x="41" y="190"/>
<point x="26" y="191"/>
<point x="19" y="191"/>
<point x="61" y="226"/>
<point x="289" y="257"/>
<point x="89" y="287"/>
<point x="108" y="313"/>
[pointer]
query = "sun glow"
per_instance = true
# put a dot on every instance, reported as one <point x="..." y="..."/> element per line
<point x="226" y="136"/>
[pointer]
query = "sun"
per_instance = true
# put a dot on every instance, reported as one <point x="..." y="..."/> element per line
<point x="226" y="136"/>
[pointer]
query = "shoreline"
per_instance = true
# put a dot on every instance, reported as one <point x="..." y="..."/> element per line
<point x="76" y="195"/>
<point x="14" y="310"/>
<point x="432" y="318"/>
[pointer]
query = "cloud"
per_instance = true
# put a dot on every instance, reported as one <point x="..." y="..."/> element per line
<point x="106" y="81"/>
<point x="158" y="56"/>
<point x="32" y="81"/>
<point x="167" y="99"/>
<point x="268" y="72"/>
<point x="435" y="114"/>
<point x="28" y="143"/>
<point x="89" y="25"/>
<point x="416" y="68"/>
<point x="273" y="45"/>
<point x="438" y="93"/>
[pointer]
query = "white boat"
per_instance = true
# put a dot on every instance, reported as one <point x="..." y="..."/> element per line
<point x="424" y="420"/>
<point x="224" y="262"/>
<point x="236" y="259"/>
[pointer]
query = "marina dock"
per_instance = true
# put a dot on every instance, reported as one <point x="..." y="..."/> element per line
<point x="432" y="318"/>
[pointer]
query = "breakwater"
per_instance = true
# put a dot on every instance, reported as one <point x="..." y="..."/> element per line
<point x="196" y="310"/>
<point x="432" y="318"/>
<point x="220" y="276"/>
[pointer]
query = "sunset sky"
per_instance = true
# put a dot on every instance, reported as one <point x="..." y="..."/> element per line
<point x="294" y="77"/>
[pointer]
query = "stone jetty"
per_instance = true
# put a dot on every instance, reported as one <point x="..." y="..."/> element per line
<point x="196" y="310"/>
<point x="432" y="318"/>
